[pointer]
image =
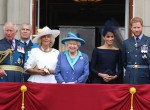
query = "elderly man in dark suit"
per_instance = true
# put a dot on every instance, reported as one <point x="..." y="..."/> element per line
<point x="136" y="55"/>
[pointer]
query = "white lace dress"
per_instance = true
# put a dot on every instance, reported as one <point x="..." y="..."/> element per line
<point x="39" y="59"/>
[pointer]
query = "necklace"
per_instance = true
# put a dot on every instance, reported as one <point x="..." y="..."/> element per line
<point x="45" y="50"/>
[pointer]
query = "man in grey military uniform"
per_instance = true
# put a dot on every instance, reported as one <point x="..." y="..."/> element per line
<point x="136" y="55"/>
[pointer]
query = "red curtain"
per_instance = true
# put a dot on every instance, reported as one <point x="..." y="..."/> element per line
<point x="74" y="97"/>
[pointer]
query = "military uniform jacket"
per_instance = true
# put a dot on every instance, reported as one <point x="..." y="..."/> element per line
<point x="132" y="55"/>
<point x="27" y="49"/>
<point x="14" y="58"/>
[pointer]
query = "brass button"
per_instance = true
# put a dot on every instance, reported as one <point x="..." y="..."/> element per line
<point x="135" y="66"/>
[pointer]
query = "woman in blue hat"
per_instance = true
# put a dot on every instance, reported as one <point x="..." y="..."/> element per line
<point x="73" y="65"/>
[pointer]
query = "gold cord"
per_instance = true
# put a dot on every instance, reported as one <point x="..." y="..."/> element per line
<point x="132" y="91"/>
<point x="23" y="90"/>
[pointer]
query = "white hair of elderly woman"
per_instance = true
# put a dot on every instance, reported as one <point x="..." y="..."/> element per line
<point x="79" y="44"/>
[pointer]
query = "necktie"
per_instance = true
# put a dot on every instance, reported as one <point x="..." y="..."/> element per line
<point x="12" y="45"/>
<point x="25" y="46"/>
<point x="137" y="40"/>
<point x="25" y="43"/>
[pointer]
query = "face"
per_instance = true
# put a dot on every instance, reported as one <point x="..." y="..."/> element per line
<point x="109" y="38"/>
<point x="136" y="29"/>
<point x="46" y="40"/>
<point x="25" y="32"/>
<point x="10" y="31"/>
<point x="72" y="46"/>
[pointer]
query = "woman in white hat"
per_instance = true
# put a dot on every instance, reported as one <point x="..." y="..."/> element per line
<point x="73" y="65"/>
<point x="42" y="61"/>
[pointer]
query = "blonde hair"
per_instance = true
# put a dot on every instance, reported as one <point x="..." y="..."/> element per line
<point x="52" y="41"/>
<point x="135" y="20"/>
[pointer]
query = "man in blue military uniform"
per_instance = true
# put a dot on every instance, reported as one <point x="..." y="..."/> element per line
<point x="136" y="55"/>
<point x="11" y="55"/>
<point x="25" y="34"/>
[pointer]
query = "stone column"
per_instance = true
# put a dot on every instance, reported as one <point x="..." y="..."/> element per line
<point x="141" y="9"/>
<point x="13" y="9"/>
<point x="18" y="11"/>
<point x="3" y="16"/>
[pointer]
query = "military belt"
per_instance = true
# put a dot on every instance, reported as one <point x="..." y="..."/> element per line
<point x="11" y="68"/>
<point x="137" y="66"/>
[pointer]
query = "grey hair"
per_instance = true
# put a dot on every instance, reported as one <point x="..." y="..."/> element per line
<point x="7" y="23"/>
<point x="79" y="44"/>
<point x="52" y="41"/>
<point x="26" y="24"/>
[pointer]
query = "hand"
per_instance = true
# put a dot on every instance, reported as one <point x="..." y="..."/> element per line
<point x="106" y="77"/>
<point x="102" y="75"/>
<point x="112" y="77"/>
<point x="2" y="73"/>
<point x="41" y="72"/>
<point x="70" y="82"/>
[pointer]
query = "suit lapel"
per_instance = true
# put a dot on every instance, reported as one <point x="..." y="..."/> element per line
<point x="29" y="46"/>
<point x="132" y="41"/>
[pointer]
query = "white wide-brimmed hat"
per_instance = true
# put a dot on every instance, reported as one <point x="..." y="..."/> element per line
<point x="45" y="31"/>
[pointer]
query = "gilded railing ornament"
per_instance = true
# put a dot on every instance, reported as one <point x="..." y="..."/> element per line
<point x="23" y="89"/>
<point x="132" y="91"/>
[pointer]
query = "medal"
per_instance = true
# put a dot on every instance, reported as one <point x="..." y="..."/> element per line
<point x="144" y="51"/>
<point x="20" y="49"/>
<point x="144" y="48"/>
<point x="135" y="44"/>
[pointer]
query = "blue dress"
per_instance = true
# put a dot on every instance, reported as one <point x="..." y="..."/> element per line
<point x="106" y="61"/>
<point x="77" y="71"/>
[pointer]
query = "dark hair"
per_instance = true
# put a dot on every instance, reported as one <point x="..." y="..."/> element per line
<point x="108" y="29"/>
<point x="110" y="26"/>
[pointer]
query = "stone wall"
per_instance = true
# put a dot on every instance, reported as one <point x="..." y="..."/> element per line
<point x="17" y="11"/>
<point x="141" y="8"/>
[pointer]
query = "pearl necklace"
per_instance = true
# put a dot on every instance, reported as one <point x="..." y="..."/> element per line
<point x="45" y="50"/>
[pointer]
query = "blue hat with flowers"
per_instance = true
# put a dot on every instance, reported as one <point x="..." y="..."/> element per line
<point x="72" y="36"/>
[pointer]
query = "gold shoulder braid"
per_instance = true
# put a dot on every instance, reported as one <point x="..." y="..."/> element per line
<point x="4" y="54"/>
